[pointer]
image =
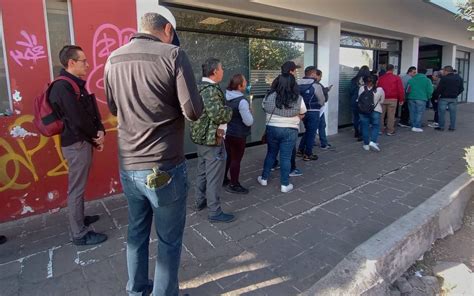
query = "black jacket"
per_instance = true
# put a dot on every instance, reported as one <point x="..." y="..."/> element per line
<point x="81" y="116"/>
<point x="450" y="86"/>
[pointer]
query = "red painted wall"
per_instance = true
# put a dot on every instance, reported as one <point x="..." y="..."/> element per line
<point x="33" y="173"/>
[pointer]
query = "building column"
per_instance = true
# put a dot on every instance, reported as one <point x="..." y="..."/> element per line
<point x="329" y="35"/>
<point x="449" y="56"/>
<point x="410" y="49"/>
<point x="470" y="84"/>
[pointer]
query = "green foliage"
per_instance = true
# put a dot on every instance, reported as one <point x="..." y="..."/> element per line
<point x="270" y="54"/>
<point x="466" y="11"/>
<point x="469" y="157"/>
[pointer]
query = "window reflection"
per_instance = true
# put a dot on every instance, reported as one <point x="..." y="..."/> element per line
<point x="58" y="29"/>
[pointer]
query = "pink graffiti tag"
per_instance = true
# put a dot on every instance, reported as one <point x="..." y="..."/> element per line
<point x="30" y="51"/>
<point x="107" y="38"/>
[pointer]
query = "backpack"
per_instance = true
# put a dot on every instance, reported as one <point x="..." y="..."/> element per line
<point x="365" y="102"/>
<point x="46" y="120"/>
<point x="307" y="92"/>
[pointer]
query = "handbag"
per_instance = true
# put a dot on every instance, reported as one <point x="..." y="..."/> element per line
<point x="264" y="136"/>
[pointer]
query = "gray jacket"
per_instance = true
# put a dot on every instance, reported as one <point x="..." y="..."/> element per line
<point x="150" y="87"/>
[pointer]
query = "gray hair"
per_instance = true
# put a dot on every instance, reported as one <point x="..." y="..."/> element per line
<point x="209" y="66"/>
<point x="152" y="22"/>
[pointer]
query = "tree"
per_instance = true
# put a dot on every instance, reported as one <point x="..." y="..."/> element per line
<point x="270" y="54"/>
<point x="466" y="11"/>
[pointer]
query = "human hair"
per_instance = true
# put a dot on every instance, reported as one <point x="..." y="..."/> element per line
<point x="309" y="70"/>
<point x="286" y="89"/>
<point x="422" y="71"/>
<point x="390" y="67"/>
<point x="236" y="81"/>
<point x="448" y="69"/>
<point x="411" y="69"/>
<point x="152" y="22"/>
<point x="364" y="71"/>
<point x="68" y="52"/>
<point x="210" y="66"/>
<point x="372" y="79"/>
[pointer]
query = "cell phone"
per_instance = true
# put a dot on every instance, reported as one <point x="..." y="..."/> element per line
<point x="157" y="179"/>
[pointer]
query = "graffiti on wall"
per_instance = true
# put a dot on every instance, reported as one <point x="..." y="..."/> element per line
<point x="28" y="49"/>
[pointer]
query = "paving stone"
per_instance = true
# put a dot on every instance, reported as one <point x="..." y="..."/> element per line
<point x="337" y="206"/>
<point x="63" y="260"/>
<point x="256" y="239"/>
<point x="35" y="268"/>
<point x="305" y="283"/>
<point x="10" y="285"/>
<point x="331" y="222"/>
<point x="10" y="269"/>
<point x="243" y="229"/>
<point x="292" y="226"/>
<point x="396" y="210"/>
<point x="101" y="280"/>
<point x="310" y="237"/>
<point x="272" y="249"/>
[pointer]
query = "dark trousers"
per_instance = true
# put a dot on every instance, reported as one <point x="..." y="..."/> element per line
<point x="435" y="109"/>
<point x="235" y="148"/>
<point x="405" y="114"/>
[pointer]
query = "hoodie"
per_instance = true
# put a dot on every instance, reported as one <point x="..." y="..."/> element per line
<point x="244" y="107"/>
<point x="420" y="88"/>
<point x="317" y="100"/>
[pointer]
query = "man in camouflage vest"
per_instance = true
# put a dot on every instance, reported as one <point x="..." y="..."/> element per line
<point x="207" y="133"/>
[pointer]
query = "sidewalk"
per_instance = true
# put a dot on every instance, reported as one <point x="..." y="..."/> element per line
<point x="280" y="244"/>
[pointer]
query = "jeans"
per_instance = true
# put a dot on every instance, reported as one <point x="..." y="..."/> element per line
<point x="452" y="106"/>
<point x="168" y="206"/>
<point x="323" y="139"/>
<point x="283" y="140"/>
<point x="311" y="124"/>
<point x="355" y="116"/>
<point x="417" y="109"/>
<point x="374" y="120"/>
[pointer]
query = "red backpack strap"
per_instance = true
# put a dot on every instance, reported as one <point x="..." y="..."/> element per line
<point x="71" y="82"/>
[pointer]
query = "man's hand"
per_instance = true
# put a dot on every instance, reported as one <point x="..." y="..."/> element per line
<point x="100" y="138"/>
<point x="401" y="103"/>
<point x="100" y="148"/>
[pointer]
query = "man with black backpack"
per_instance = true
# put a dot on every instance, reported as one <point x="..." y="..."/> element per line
<point x="83" y="131"/>
<point x="313" y="96"/>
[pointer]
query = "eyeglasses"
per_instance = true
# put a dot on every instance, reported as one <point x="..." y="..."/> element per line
<point x="83" y="61"/>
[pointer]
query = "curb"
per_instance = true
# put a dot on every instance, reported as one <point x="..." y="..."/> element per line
<point x="375" y="264"/>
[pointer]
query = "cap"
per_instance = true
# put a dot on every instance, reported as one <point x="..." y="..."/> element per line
<point x="166" y="13"/>
<point x="288" y="66"/>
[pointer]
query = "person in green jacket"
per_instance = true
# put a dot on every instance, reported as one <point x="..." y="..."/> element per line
<point x="208" y="134"/>
<point x="419" y="91"/>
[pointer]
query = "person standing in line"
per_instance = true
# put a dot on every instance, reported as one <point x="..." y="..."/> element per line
<point x="3" y="239"/>
<point x="449" y="88"/>
<point x="405" y="114"/>
<point x="150" y="87"/>
<point x="356" y="83"/>
<point x="208" y="133"/>
<point x="83" y="131"/>
<point x="394" y="93"/>
<point x="435" y="78"/>
<point x="420" y="90"/>
<point x="238" y="129"/>
<point x="372" y="119"/>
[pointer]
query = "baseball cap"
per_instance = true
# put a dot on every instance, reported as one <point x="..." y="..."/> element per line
<point x="288" y="66"/>
<point x="166" y="13"/>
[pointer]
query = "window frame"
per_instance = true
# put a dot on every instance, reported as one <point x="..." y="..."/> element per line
<point x="7" y="72"/>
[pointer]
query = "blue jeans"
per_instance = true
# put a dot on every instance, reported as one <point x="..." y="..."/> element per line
<point x="323" y="140"/>
<point x="311" y="124"/>
<point x="374" y="120"/>
<point x="168" y="205"/>
<point x="452" y="105"/>
<point x="283" y="140"/>
<point x="417" y="109"/>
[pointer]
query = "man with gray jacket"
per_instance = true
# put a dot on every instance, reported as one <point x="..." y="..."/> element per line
<point x="150" y="87"/>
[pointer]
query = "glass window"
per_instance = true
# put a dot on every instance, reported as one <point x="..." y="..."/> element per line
<point x="359" y="41"/>
<point x="462" y="54"/>
<point x="4" y="98"/>
<point x="58" y="29"/>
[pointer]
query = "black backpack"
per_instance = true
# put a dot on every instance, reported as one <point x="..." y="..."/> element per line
<point x="365" y="101"/>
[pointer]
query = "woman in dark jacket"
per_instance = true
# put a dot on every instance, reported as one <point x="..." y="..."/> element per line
<point x="356" y="83"/>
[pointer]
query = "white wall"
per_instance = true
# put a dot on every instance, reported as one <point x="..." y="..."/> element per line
<point x="449" y="56"/>
<point x="410" y="47"/>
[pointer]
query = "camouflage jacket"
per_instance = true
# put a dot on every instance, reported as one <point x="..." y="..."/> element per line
<point x="203" y="131"/>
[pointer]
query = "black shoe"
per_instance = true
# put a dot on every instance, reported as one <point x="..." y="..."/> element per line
<point x="88" y="220"/>
<point x="299" y="153"/>
<point x="225" y="182"/>
<point x="451" y="129"/>
<point x="236" y="189"/>
<point x="3" y="239"/>
<point x="356" y="134"/>
<point x="91" y="238"/>
<point x="201" y="206"/>
<point x="439" y="129"/>
<point x="222" y="217"/>
<point x="359" y="139"/>
<point x="310" y="157"/>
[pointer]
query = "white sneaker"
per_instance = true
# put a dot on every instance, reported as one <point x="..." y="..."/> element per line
<point x="366" y="147"/>
<point x="374" y="146"/>
<point x="416" y="130"/>
<point x="262" y="181"/>
<point x="287" y="188"/>
<point x="433" y="124"/>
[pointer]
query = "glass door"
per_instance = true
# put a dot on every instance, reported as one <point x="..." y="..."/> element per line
<point x="462" y="68"/>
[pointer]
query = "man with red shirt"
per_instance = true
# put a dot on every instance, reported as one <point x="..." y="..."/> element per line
<point x="393" y="87"/>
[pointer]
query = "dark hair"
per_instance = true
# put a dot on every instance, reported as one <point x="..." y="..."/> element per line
<point x="68" y="52"/>
<point x="448" y="69"/>
<point x="422" y="71"/>
<point x="152" y="22"/>
<point x="390" y="67"/>
<point x="364" y="71"/>
<point x="286" y="89"/>
<point x="236" y="81"/>
<point x="209" y="66"/>
<point x="412" y="68"/>
<point x="371" y="79"/>
<point x="308" y="70"/>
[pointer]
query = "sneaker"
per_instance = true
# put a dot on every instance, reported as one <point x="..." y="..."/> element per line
<point x="3" y="239"/>
<point x="262" y="181"/>
<point x="416" y="130"/>
<point x="374" y="146"/>
<point x="276" y="166"/>
<point x="366" y="147"/>
<point x="310" y="157"/>
<point x="439" y="129"/>
<point x="222" y="217"/>
<point x="380" y="133"/>
<point x="91" y="238"/>
<point x="200" y="206"/>
<point x="299" y="153"/>
<point x="402" y="125"/>
<point x="433" y="124"/>
<point x="287" y="188"/>
<point x="88" y="220"/>
<point x="327" y="147"/>
<point x="296" y="173"/>
<point x="391" y="134"/>
<point x="238" y="189"/>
